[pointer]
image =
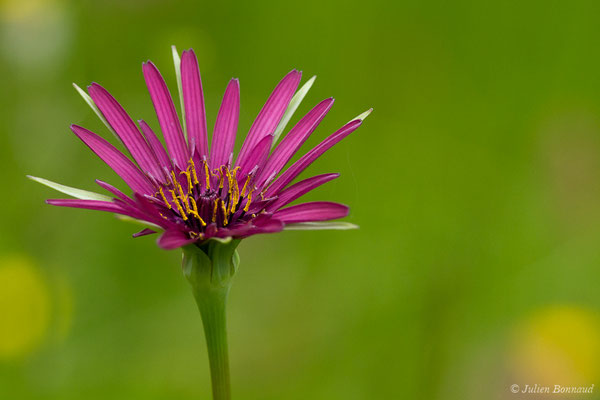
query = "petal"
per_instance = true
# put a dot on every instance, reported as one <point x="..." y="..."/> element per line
<point x="292" y="172"/>
<point x="116" y="192"/>
<point x="257" y="157"/>
<point x="193" y="100"/>
<point x="71" y="191"/>
<point x="115" y="159"/>
<point x="268" y="118"/>
<point x="173" y="239"/>
<point x="152" y="214"/>
<point x="143" y="232"/>
<point x="125" y="128"/>
<point x="226" y="125"/>
<point x="299" y="189"/>
<point x="88" y="205"/>
<point x="156" y="146"/>
<point x="293" y="140"/>
<point x="94" y="107"/>
<point x="314" y="211"/>
<point x="167" y="116"/>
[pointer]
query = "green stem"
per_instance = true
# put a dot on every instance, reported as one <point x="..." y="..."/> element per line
<point x="212" y="309"/>
<point x="210" y="269"/>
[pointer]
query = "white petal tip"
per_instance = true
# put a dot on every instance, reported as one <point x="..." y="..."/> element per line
<point x="364" y="115"/>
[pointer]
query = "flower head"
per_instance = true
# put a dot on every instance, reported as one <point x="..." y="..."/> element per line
<point x="192" y="192"/>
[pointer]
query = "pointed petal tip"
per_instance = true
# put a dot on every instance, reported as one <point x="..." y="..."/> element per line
<point x="365" y="114"/>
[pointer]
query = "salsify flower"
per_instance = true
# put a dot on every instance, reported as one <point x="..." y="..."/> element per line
<point x="204" y="198"/>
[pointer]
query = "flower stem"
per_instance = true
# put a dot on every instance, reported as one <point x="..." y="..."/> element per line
<point x="210" y="269"/>
<point x="212" y="310"/>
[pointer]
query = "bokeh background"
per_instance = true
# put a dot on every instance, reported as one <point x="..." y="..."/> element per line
<point x="476" y="183"/>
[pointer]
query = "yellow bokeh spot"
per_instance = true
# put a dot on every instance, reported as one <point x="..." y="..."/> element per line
<point x="24" y="307"/>
<point x="558" y="345"/>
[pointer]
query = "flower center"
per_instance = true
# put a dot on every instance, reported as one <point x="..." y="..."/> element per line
<point x="200" y="196"/>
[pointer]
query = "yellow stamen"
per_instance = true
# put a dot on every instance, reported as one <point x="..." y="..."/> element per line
<point x="234" y="193"/>
<point x="220" y="179"/>
<point x="247" y="206"/>
<point x="224" y="213"/>
<point x="179" y="208"/>
<point x="183" y="197"/>
<point x="194" y="211"/>
<point x="207" y="173"/>
<point x="214" y="216"/>
<point x="245" y="186"/>
<point x="193" y="167"/>
<point x="188" y="175"/>
<point x="162" y="194"/>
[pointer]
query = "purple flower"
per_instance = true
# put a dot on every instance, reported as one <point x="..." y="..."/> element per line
<point x="193" y="192"/>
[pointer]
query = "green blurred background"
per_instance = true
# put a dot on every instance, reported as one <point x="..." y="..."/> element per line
<point x="476" y="183"/>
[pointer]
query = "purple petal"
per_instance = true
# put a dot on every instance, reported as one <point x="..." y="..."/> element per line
<point x="261" y="224"/>
<point x="292" y="172"/>
<point x="173" y="239"/>
<point x="152" y="214"/>
<point x="116" y="192"/>
<point x="267" y="225"/>
<point x="257" y="157"/>
<point x="314" y="211"/>
<point x="156" y="146"/>
<point x="125" y="128"/>
<point x="299" y="189"/>
<point x="143" y="232"/>
<point x="292" y="142"/>
<point x="193" y="100"/>
<point x="167" y="116"/>
<point x="97" y="205"/>
<point x="226" y="126"/>
<point x="115" y="159"/>
<point x="271" y="113"/>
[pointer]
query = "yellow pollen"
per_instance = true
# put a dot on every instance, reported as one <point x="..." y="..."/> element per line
<point x="214" y="216"/>
<point x="220" y="179"/>
<point x="179" y="208"/>
<point x="182" y="196"/>
<point x="207" y="173"/>
<point x="162" y="194"/>
<point x="196" y="235"/>
<point x="194" y="211"/>
<point x="247" y="206"/>
<point x="234" y="193"/>
<point x="225" y="215"/>
<point x="189" y="179"/>
<point x="245" y="186"/>
<point x="193" y="168"/>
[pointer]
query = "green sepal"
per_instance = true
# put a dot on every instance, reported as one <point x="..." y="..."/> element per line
<point x="71" y="191"/>
<point x="211" y="265"/>
<point x="86" y="97"/>
<point x="291" y="109"/>
<point x="318" y="226"/>
<point x="177" y="65"/>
